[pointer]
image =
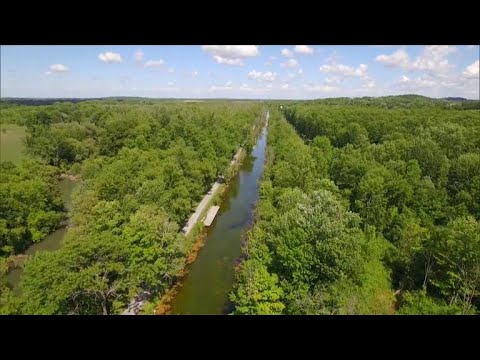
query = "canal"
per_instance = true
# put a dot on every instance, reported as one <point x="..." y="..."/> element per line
<point x="210" y="278"/>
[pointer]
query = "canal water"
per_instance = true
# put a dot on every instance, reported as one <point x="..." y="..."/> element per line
<point x="53" y="241"/>
<point x="210" y="278"/>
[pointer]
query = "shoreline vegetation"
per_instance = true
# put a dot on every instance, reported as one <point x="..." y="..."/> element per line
<point x="163" y="306"/>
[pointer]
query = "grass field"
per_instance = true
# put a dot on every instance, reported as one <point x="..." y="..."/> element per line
<point x="11" y="145"/>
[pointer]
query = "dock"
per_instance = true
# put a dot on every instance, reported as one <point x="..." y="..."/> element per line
<point x="211" y="215"/>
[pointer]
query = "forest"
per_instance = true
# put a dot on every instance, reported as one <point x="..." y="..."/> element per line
<point x="367" y="206"/>
<point x="143" y="168"/>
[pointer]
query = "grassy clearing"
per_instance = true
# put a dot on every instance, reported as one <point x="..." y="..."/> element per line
<point x="11" y="142"/>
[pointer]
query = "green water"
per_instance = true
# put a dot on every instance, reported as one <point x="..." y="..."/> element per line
<point x="210" y="278"/>
<point x="52" y="242"/>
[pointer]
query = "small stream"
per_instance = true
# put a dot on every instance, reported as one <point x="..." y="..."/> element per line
<point x="210" y="278"/>
<point x="52" y="242"/>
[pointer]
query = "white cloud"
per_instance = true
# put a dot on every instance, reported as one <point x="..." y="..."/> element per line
<point x="57" y="69"/>
<point x="333" y="57"/>
<point x="471" y="46"/>
<point x="110" y="57"/>
<point x="334" y="80"/>
<point x="171" y="70"/>
<point x="399" y="58"/>
<point x="434" y="58"/>
<point x="272" y="58"/>
<point x="171" y="83"/>
<point x="472" y="70"/>
<point x="227" y="61"/>
<point x="267" y="63"/>
<point x="284" y="87"/>
<point x="290" y="63"/>
<point x="139" y="55"/>
<point x="231" y="54"/>
<point x="300" y="72"/>
<point x="228" y="83"/>
<point x="303" y="49"/>
<point x="345" y="70"/>
<point x="369" y="84"/>
<point x="417" y="83"/>
<point x="194" y="73"/>
<point x="154" y="63"/>
<point x="262" y="76"/>
<point x="287" y="53"/>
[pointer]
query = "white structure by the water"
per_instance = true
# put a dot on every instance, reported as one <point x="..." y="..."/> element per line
<point x="211" y="215"/>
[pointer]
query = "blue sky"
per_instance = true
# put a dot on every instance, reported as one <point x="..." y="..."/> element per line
<point x="239" y="71"/>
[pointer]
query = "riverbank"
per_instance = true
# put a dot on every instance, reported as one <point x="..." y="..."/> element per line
<point x="199" y="234"/>
<point x="196" y="232"/>
<point x="207" y="281"/>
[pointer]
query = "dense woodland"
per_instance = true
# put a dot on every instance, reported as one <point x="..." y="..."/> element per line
<point x="367" y="206"/>
<point x="31" y="206"/>
<point x="144" y="167"/>
<point x="375" y="210"/>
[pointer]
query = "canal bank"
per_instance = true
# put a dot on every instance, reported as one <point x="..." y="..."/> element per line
<point x="209" y="279"/>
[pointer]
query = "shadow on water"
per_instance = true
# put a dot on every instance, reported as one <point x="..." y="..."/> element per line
<point x="210" y="278"/>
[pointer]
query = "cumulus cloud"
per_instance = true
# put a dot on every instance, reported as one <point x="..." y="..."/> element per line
<point x="171" y="70"/>
<point x="472" y="70"/>
<point x="57" y="69"/>
<point x="231" y="54"/>
<point x="290" y="63"/>
<point x="262" y="76"/>
<point x="194" y="73"/>
<point x="434" y="58"/>
<point x="300" y="72"/>
<point x="303" y="49"/>
<point x="110" y="57"/>
<point x="345" y="70"/>
<point x="139" y="55"/>
<point x="154" y="63"/>
<point x="399" y="58"/>
<point x="415" y="83"/>
<point x="287" y="53"/>
<point x="227" y="61"/>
